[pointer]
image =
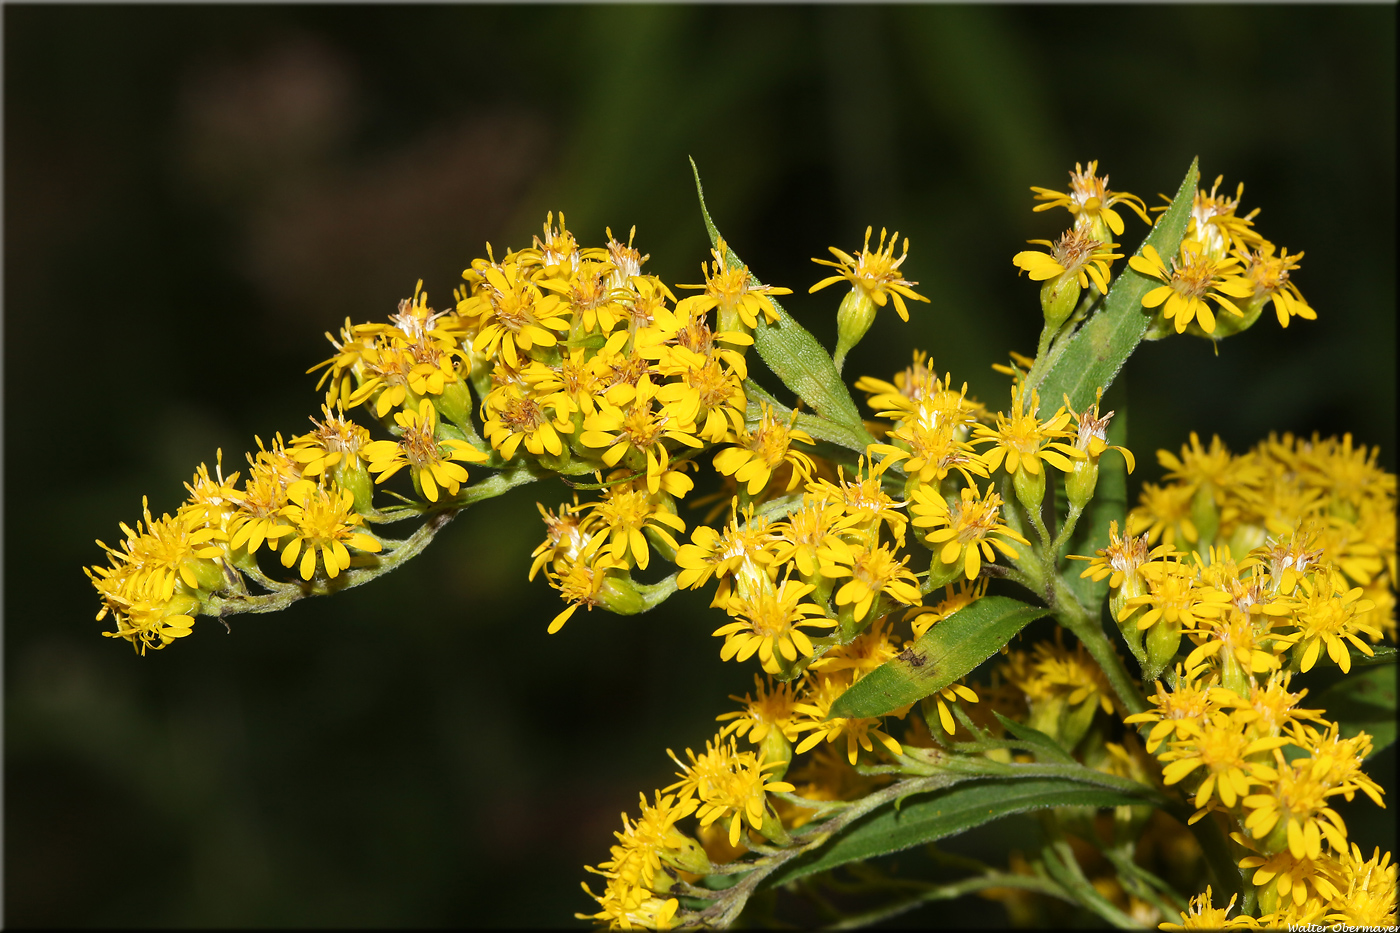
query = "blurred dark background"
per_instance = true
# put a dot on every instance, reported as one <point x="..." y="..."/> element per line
<point x="193" y="195"/>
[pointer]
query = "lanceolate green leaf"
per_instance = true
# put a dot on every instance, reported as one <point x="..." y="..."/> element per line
<point x="1364" y="702"/>
<point x="946" y="813"/>
<point x="795" y="356"/>
<point x="1095" y="354"/>
<point x="946" y="652"/>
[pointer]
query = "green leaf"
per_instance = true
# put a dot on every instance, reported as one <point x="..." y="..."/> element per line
<point x="946" y="652"/>
<point x="1096" y="352"/>
<point x="1110" y="504"/>
<point x="795" y="356"/>
<point x="946" y="813"/>
<point x="1384" y="654"/>
<point x="1364" y="702"/>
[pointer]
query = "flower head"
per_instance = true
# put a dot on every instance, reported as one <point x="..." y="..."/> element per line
<point x="1194" y="277"/>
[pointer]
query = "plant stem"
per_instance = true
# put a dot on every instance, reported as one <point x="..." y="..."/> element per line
<point x="956" y="889"/>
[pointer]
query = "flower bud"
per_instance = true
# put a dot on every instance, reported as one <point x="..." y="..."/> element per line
<point x="350" y="473"/>
<point x="853" y="319"/>
<point x="685" y="853"/>
<point x="1227" y="324"/>
<point x="1058" y="296"/>
<point x="455" y="403"/>
<point x="1163" y="638"/>
<point x="1030" y="488"/>
<point x="1080" y="483"/>
<point x="941" y="574"/>
<point x="776" y="747"/>
<point x="1233" y="676"/>
<point x="208" y="574"/>
<point x="619" y="594"/>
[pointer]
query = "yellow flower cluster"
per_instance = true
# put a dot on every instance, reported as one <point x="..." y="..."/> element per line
<point x="1315" y="520"/>
<point x="1319" y="512"/>
<point x="728" y="790"/>
<point x="296" y="497"/>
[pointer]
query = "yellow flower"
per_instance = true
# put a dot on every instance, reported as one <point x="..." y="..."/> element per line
<point x="1369" y="898"/>
<point x="1120" y="561"/>
<point x="639" y="430"/>
<point x="749" y="545"/>
<point x="758" y="452"/>
<point x="1076" y="253"/>
<point x="768" y="624"/>
<point x="930" y="439"/>
<point x="1181" y="712"/>
<point x="1202" y="915"/>
<point x="324" y="518"/>
<point x="1331" y="615"/>
<point x="1269" y="275"/>
<point x="864" y="503"/>
<point x="335" y="440"/>
<point x="774" y="708"/>
<point x="731" y="291"/>
<point x="727" y="782"/>
<point x="825" y="728"/>
<point x="259" y="515"/>
<point x="432" y="462"/>
<point x="512" y="417"/>
<point x="1293" y="801"/>
<point x="1174" y="596"/>
<point x="567" y="535"/>
<point x="1023" y="440"/>
<point x="962" y="533"/>
<point x="871" y="572"/>
<point x="1215" y="221"/>
<point x="1223" y="748"/>
<point x="624" y="513"/>
<point x="1091" y="202"/>
<point x="514" y="316"/>
<point x="1194" y="276"/>
<point x="580" y="583"/>
<point x="875" y="277"/>
<point x="805" y="532"/>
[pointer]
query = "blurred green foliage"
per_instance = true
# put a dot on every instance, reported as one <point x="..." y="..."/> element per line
<point x="193" y="194"/>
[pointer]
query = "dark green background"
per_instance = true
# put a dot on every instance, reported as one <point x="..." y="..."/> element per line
<point x="192" y="196"/>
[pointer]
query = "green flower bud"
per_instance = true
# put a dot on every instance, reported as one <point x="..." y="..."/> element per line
<point x="1163" y="638"/>
<point x="1079" y="485"/>
<point x="1226" y="324"/>
<point x="1233" y="676"/>
<point x="619" y="594"/>
<point x="941" y="574"/>
<point x="1030" y="488"/>
<point x="1058" y="297"/>
<point x="776" y="747"/>
<point x="208" y="574"/>
<point x="853" y="319"/>
<point x="350" y="473"/>
<point x="773" y="829"/>
<point x="455" y="404"/>
<point x="686" y="854"/>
